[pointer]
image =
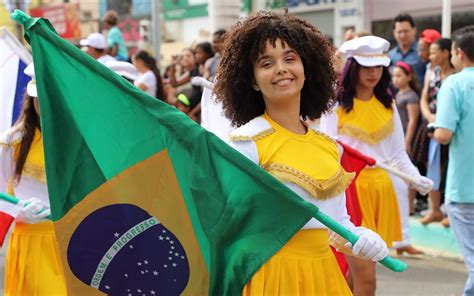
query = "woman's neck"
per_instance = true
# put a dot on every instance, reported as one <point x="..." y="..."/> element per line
<point x="404" y="88"/>
<point x="446" y="69"/>
<point x="364" y="93"/>
<point x="287" y="116"/>
<point x="189" y="68"/>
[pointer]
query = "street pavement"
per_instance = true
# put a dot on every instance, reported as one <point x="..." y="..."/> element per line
<point x="425" y="276"/>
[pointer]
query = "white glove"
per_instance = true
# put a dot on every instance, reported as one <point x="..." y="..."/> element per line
<point x="201" y="81"/>
<point x="33" y="211"/>
<point x="369" y="245"/>
<point x="423" y="185"/>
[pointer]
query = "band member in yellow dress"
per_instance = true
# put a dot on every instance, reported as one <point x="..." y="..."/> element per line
<point x="367" y="119"/>
<point x="32" y="262"/>
<point x="276" y="71"/>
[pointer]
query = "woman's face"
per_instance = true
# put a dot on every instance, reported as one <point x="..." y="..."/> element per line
<point x="36" y="105"/>
<point x="369" y="76"/>
<point x="187" y="60"/>
<point x="399" y="78"/>
<point x="279" y="73"/>
<point x="140" y="65"/>
<point x="437" y="55"/>
<point x="201" y="56"/>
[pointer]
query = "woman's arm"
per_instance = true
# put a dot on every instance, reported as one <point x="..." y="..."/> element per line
<point x="207" y="69"/>
<point x="413" y="115"/>
<point x="142" y="86"/>
<point x="175" y="82"/>
<point x="396" y="148"/>
<point x="195" y="111"/>
<point x="425" y="109"/>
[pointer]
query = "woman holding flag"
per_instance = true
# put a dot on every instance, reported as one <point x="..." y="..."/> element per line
<point x="32" y="263"/>
<point x="367" y="119"/>
<point x="276" y="70"/>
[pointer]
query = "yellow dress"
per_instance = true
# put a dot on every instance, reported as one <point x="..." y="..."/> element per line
<point x="32" y="264"/>
<point x="305" y="265"/>
<point x="370" y="122"/>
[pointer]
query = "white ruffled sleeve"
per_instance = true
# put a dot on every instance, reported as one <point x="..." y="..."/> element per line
<point x="6" y="162"/>
<point x="343" y="217"/>
<point x="328" y="123"/>
<point x="247" y="148"/>
<point x="6" y="172"/>
<point x="399" y="157"/>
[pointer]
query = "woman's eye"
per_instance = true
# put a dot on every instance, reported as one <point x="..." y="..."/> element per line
<point x="266" y="64"/>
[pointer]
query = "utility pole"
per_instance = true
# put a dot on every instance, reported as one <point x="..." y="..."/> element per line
<point x="446" y="19"/>
<point x="258" y="5"/>
<point x="223" y="14"/>
<point x="155" y="27"/>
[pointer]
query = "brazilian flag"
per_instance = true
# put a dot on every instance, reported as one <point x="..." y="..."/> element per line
<point x="143" y="199"/>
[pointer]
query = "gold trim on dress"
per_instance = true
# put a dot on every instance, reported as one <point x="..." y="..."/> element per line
<point x="374" y="137"/>
<point x="321" y="134"/>
<point x="261" y="135"/>
<point x="10" y="144"/>
<point x="34" y="172"/>
<point x="318" y="189"/>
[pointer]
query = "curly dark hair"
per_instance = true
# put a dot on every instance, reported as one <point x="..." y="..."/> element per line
<point x="350" y="76"/>
<point x="247" y="40"/>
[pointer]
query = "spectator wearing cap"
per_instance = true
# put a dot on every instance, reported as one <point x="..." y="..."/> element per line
<point x="404" y="31"/>
<point x="96" y="45"/>
<point x="116" y="45"/>
<point x="427" y="37"/>
<point x="367" y="120"/>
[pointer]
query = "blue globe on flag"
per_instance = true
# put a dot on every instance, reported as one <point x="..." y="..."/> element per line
<point x="121" y="250"/>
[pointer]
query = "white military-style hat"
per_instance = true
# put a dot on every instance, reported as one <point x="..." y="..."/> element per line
<point x="124" y="69"/>
<point x="368" y="51"/>
<point x="31" y="86"/>
<point x="95" y="40"/>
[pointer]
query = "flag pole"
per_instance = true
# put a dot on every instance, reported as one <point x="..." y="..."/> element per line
<point x="389" y="262"/>
<point x="396" y="172"/>
<point x="8" y="198"/>
<point x="13" y="200"/>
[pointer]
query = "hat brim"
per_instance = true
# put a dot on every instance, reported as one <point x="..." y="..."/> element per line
<point x="31" y="89"/>
<point x="127" y="75"/>
<point x="84" y="42"/>
<point x="372" y="61"/>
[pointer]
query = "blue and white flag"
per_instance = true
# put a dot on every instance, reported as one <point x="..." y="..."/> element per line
<point x="14" y="57"/>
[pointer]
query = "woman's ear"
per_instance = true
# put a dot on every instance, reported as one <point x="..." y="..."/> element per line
<point x="254" y="85"/>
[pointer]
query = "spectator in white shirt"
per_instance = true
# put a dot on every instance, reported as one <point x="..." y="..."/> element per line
<point x="96" y="45"/>
<point x="149" y="79"/>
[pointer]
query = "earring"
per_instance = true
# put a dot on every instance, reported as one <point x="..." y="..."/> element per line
<point x="255" y="86"/>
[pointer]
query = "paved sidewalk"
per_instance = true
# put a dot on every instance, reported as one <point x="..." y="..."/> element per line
<point x="434" y="239"/>
<point x="425" y="276"/>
